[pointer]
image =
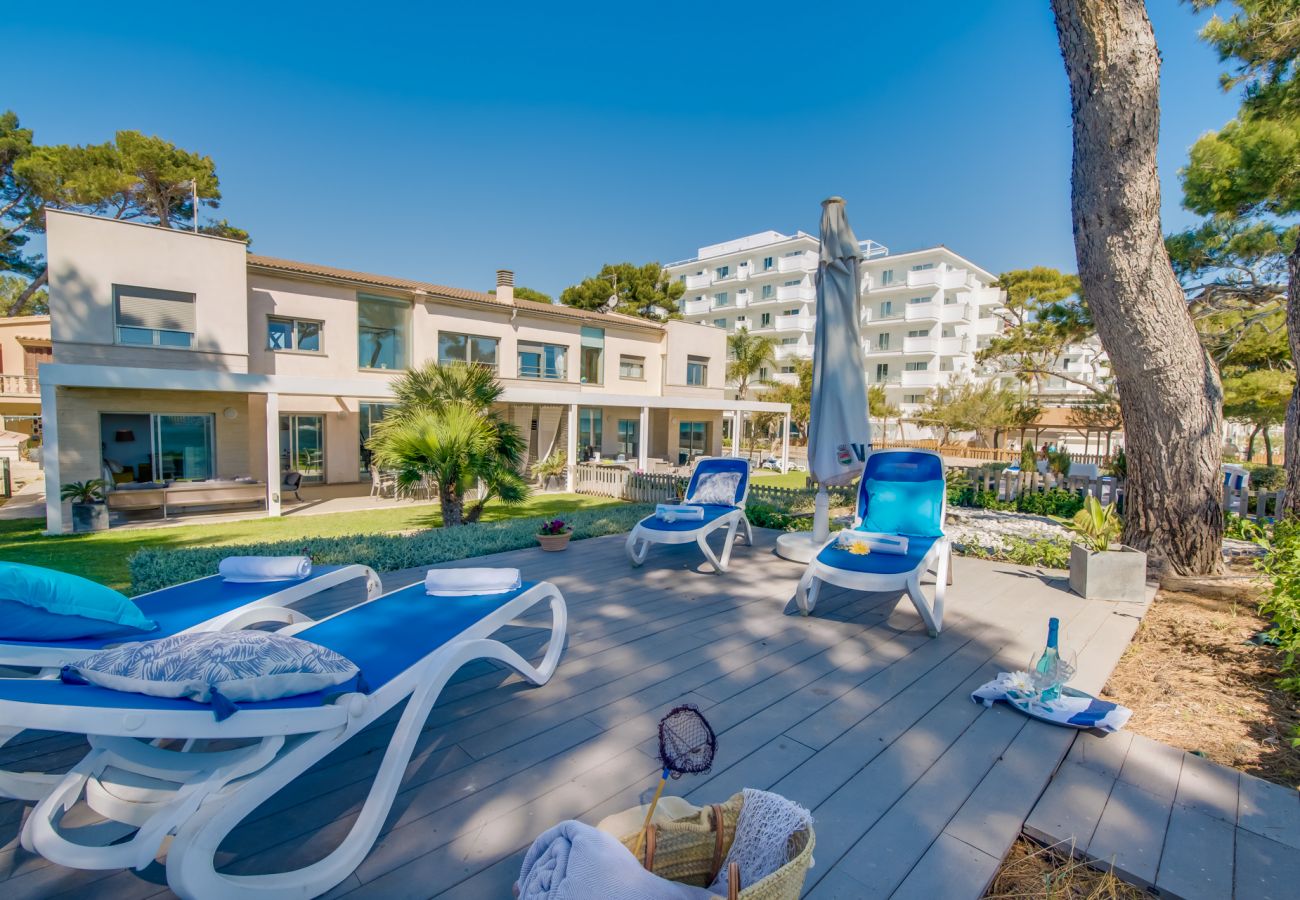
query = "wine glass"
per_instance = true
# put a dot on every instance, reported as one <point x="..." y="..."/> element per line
<point x="1056" y="674"/>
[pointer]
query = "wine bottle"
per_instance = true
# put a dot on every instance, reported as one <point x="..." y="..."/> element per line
<point x="1048" y="665"/>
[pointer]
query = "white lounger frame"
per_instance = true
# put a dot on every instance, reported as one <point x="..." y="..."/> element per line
<point x="938" y="560"/>
<point x="206" y="795"/>
<point x="640" y="539"/>
<point x="50" y="658"/>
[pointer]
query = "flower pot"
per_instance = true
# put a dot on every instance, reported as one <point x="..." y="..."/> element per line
<point x="553" y="543"/>
<point x="88" y="517"/>
<point x="1118" y="574"/>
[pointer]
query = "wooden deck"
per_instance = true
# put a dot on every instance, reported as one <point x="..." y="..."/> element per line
<point x="855" y="713"/>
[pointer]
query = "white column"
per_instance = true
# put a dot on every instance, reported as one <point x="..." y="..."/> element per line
<point x="273" y="454"/>
<point x="643" y="439"/>
<point x="785" y="444"/>
<point x="737" y="430"/>
<point x="50" y="459"/>
<point x="571" y="470"/>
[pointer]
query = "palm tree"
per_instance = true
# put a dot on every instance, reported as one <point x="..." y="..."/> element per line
<point x="444" y="428"/>
<point x="747" y="356"/>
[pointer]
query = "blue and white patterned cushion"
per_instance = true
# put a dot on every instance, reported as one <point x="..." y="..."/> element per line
<point x="219" y="668"/>
<point x="718" y="488"/>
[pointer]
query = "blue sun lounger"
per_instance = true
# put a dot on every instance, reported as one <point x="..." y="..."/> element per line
<point x="205" y="604"/>
<point x="407" y="645"/>
<point x="719" y="512"/>
<point x="902" y="492"/>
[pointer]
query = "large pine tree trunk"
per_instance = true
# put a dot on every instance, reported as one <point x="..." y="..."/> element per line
<point x="1290" y="505"/>
<point x="1168" y="388"/>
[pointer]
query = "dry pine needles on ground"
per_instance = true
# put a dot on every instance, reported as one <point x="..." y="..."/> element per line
<point x="1031" y="872"/>
<point x="1194" y="680"/>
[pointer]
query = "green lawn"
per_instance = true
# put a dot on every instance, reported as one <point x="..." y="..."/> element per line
<point x="103" y="556"/>
<point x="773" y="479"/>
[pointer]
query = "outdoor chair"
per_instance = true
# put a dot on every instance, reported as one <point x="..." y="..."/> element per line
<point x="382" y="484"/>
<point x="206" y="604"/>
<point x="291" y="483"/>
<point x="407" y="646"/>
<point x="719" y="512"/>
<point x="902" y="492"/>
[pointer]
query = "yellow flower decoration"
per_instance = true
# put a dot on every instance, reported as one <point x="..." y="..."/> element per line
<point x="859" y="548"/>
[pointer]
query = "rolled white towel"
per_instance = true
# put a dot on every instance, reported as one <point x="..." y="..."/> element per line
<point x="892" y="544"/>
<point x="679" y="512"/>
<point x="264" y="568"/>
<point x="468" y="582"/>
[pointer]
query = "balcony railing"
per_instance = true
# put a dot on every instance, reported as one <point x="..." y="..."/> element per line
<point x="955" y="312"/>
<point x="795" y="323"/>
<point x="923" y="379"/>
<point x="919" y="344"/>
<point x="801" y="292"/>
<point x="20" y="385"/>
<point x="697" y="307"/>
<point x="695" y="282"/>
<point x="921" y="312"/>
<point x="800" y="262"/>
<point x="875" y="315"/>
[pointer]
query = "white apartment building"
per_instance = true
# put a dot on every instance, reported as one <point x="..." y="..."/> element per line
<point x="925" y="313"/>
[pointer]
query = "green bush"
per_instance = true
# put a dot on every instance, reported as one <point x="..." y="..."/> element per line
<point x="154" y="569"/>
<point x="1056" y="502"/>
<point x="1281" y="564"/>
<point x="1266" y="478"/>
<point x="1051" y="553"/>
<point x="1242" y="529"/>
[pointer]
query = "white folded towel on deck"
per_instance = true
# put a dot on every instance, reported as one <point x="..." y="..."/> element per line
<point x="679" y="512"/>
<point x="573" y="861"/>
<point x="893" y="544"/>
<point x="469" y="582"/>
<point x="264" y="568"/>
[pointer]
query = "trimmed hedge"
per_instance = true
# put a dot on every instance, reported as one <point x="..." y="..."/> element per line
<point x="154" y="569"/>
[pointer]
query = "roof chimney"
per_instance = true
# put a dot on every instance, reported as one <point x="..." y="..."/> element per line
<point x="506" y="285"/>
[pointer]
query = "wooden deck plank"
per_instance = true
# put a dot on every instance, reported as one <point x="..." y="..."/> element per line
<point x="1269" y="810"/>
<point x="1266" y="870"/>
<point x="948" y="869"/>
<point x="1196" y="862"/>
<point x="1130" y="834"/>
<point x="1070" y="808"/>
<point x="1208" y="788"/>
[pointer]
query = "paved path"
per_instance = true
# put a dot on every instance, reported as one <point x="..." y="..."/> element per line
<point x="855" y="712"/>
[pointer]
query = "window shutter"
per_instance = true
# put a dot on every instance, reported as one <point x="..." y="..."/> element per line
<point x="158" y="310"/>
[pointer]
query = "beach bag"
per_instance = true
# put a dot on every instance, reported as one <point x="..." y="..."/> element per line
<point x="692" y="848"/>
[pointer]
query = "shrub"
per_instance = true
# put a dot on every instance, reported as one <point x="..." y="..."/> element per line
<point x="1266" y="478"/>
<point x="768" y="515"/>
<point x="1281" y="564"/>
<point x="1051" y="553"/>
<point x="1242" y="529"/>
<point x="1056" y="502"/>
<point x="154" y="569"/>
<point x="1118" y="464"/>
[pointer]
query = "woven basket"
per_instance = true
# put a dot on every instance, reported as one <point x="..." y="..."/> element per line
<point x="691" y="850"/>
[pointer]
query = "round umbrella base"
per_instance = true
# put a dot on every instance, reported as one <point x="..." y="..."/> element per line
<point x="798" y="546"/>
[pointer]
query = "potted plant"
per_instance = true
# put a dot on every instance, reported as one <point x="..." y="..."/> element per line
<point x="89" y="512"/>
<point x="1100" y="567"/>
<point x="550" y="470"/>
<point x="554" y="535"/>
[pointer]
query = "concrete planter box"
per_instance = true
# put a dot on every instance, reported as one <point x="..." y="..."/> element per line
<point x="87" y="517"/>
<point x="1119" y="574"/>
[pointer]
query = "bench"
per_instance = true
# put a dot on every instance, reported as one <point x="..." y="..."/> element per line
<point x="187" y="494"/>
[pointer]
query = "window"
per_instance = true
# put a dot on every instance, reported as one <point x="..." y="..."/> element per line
<point x="763" y="374"/>
<point x="697" y="371"/>
<point x="370" y="414"/>
<point x="986" y="312"/>
<point x="886" y="309"/>
<point x="383" y="332"/>
<point x="692" y="439"/>
<point x="945" y="364"/>
<point x="629" y="437"/>
<point x="886" y="277"/>
<point x="924" y="299"/>
<point x="791" y="312"/>
<point x="302" y="446"/>
<point x="543" y="361"/>
<point x="919" y="332"/>
<point x="916" y="366"/>
<point x="765" y="320"/>
<point x="631" y="367"/>
<point x="882" y="342"/>
<point x="949" y="299"/>
<point x="591" y="361"/>
<point x="1065" y="364"/>
<point x="767" y="263"/>
<point x="590" y="425"/>
<point x="302" y="335"/>
<point x="882" y="372"/>
<point x="921" y="267"/>
<point x="789" y="341"/>
<point x="721" y="272"/>
<point x="767" y="292"/>
<point x="720" y="299"/>
<point x="787" y="370"/>
<point x="794" y="283"/>
<point x="467" y="348"/>
<point x="949" y="331"/>
<point x="150" y="317"/>
<point x="721" y="323"/>
<point x="914" y="398"/>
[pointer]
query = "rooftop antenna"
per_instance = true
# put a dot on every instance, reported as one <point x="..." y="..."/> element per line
<point x="612" y="302"/>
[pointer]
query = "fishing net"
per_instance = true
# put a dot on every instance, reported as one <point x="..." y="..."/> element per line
<point x="687" y="743"/>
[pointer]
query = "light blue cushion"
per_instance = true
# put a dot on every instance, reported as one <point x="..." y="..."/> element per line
<point x="903" y="507"/>
<point x="716" y="489"/>
<point x="38" y="604"/>
<point x="219" y="668"/>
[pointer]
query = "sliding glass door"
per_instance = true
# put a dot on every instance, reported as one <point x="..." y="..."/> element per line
<point x="302" y="446"/>
<point x="183" y="447"/>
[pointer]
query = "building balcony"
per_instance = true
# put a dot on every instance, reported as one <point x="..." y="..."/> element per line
<point x="922" y="312"/>
<point x="19" y="386"/>
<point x="697" y="307"/>
<point x="954" y="346"/>
<point x="948" y="279"/>
<point x="800" y="292"/>
<point x="793" y="351"/>
<point x="926" y="379"/>
<point x="800" y="262"/>
<point x="875" y="316"/>
<point x="742" y="299"/>
<point x="955" y="312"/>
<point x="919" y="345"/>
<point x="893" y="378"/>
<point x="795" y="323"/>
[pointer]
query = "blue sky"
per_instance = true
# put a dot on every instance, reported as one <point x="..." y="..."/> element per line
<point x="551" y="138"/>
